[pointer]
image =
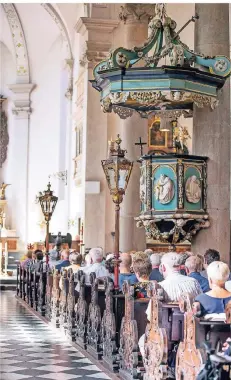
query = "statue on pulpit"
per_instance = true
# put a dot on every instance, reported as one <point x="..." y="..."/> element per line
<point x="2" y="190"/>
<point x="164" y="189"/>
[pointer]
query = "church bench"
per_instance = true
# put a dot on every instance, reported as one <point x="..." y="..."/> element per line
<point x="95" y="314"/>
<point x="42" y="289"/>
<point x="71" y="302"/>
<point x="48" y="297"/>
<point x="82" y="306"/>
<point x="132" y="328"/>
<point x="55" y="299"/>
<point x="63" y="300"/>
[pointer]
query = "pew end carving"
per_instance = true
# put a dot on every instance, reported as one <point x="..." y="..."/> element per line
<point x="95" y="313"/>
<point x="155" y="339"/>
<point x="63" y="300"/>
<point x="71" y="301"/>
<point x="81" y="312"/>
<point x="55" y="299"/>
<point x="131" y="363"/>
<point x="49" y="287"/>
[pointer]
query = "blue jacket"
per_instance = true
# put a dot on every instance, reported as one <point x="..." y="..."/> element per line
<point x="62" y="264"/>
<point x="131" y="277"/>
<point x="202" y="281"/>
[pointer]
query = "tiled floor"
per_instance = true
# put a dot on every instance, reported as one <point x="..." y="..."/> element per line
<point x="30" y="349"/>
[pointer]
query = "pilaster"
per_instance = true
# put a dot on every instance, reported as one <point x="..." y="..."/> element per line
<point x="20" y="157"/>
<point x="96" y="37"/>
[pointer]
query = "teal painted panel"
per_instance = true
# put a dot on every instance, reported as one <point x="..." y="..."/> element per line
<point x="169" y="172"/>
<point x="192" y="186"/>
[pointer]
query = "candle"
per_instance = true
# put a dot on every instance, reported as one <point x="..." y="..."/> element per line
<point x="6" y="258"/>
<point x="0" y="258"/>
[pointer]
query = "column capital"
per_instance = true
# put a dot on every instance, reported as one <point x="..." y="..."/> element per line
<point x="136" y="13"/>
<point x="21" y="98"/>
<point x="85" y="24"/>
<point x="97" y="34"/>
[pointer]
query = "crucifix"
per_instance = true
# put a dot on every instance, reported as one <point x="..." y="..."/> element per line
<point x="140" y="144"/>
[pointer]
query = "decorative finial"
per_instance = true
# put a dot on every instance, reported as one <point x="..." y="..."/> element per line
<point x="49" y="186"/>
<point x="118" y="141"/>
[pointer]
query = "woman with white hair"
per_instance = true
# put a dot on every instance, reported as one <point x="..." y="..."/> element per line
<point x="217" y="298"/>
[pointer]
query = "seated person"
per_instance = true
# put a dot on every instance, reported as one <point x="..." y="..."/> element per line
<point x="175" y="284"/>
<point x="142" y="268"/>
<point x="125" y="270"/>
<point x="75" y="259"/>
<point x="193" y="267"/>
<point x="149" y="252"/>
<point x="215" y="300"/>
<point x="155" y="275"/>
<point x="26" y="263"/>
<point x="227" y="347"/>
<point x="64" y="262"/>
<point x="96" y="265"/>
<point x="38" y="258"/>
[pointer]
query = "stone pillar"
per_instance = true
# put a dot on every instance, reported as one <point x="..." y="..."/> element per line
<point x="20" y="159"/>
<point x="132" y="31"/>
<point x="95" y="41"/>
<point x="211" y="132"/>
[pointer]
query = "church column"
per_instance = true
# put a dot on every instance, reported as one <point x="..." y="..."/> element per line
<point x="211" y="132"/>
<point x="132" y="31"/>
<point x="20" y="159"/>
<point x="91" y="122"/>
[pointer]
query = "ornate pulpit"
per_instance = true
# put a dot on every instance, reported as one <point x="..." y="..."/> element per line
<point x="173" y="197"/>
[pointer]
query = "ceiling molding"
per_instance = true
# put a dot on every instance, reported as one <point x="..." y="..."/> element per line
<point x="22" y="60"/>
<point x="63" y="29"/>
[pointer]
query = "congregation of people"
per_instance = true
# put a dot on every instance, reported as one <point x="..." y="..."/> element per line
<point x="205" y="278"/>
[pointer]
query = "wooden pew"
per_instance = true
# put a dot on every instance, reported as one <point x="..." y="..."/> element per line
<point x="155" y="340"/>
<point x="55" y="299"/>
<point x="110" y="348"/>
<point x="71" y="301"/>
<point x="190" y="353"/>
<point x="95" y="314"/>
<point x="23" y="284"/>
<point x="63" y="301"/>
<point x="18" y="281"/>
<point x="132" y="328"/>
<point x="42" y="289"/>
<point x="35" y="285"/>
<point x="48" y="297"/>
<point x="82" y="310"/>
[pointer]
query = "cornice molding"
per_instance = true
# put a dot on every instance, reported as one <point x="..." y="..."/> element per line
<point x="21" y="98"/>
<point x="95" y="24"/>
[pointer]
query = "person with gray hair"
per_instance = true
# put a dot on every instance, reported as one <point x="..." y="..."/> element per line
<point x="175" y="284"/>
<point x="96" y="264"/>
<point x="193" y="267"/>
<point x="155" y="275"/>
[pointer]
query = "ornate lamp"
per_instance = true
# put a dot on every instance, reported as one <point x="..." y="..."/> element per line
<point x="48" y="202"/>
<point x="117" y="170"/>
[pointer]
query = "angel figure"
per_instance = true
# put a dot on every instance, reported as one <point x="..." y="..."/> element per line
<point x="180" y="137"/>
<point x="2" y="190"/>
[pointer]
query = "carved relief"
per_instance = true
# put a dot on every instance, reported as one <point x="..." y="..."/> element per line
<point x="63" y="300"/>
<point x="193" y="189"/>
<point x="4" y="137"/>
<point x="81" y="311"/>
<point x="108" y="326"/>
<point x="94" y="316"/>
<point x="55" y="299"/>
<point x="164" y="189"/>
<point x="128" y="333"/>
<point x="189" y="359"/>
<point x="156" y="343"/>
<point x="71" y="325"/>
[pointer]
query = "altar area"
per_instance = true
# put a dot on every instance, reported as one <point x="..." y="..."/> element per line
<point x="9" y="254"/>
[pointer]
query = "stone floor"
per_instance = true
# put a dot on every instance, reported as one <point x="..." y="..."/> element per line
<point x="31" y="349"/>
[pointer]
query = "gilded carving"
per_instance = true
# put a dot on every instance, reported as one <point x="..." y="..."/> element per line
<point x="71" y="326"/>
<point x="63" y="300"/>
<point x="55" y="299"/>
<point x="81" y="311"/>
<point x="180" y="185"/>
